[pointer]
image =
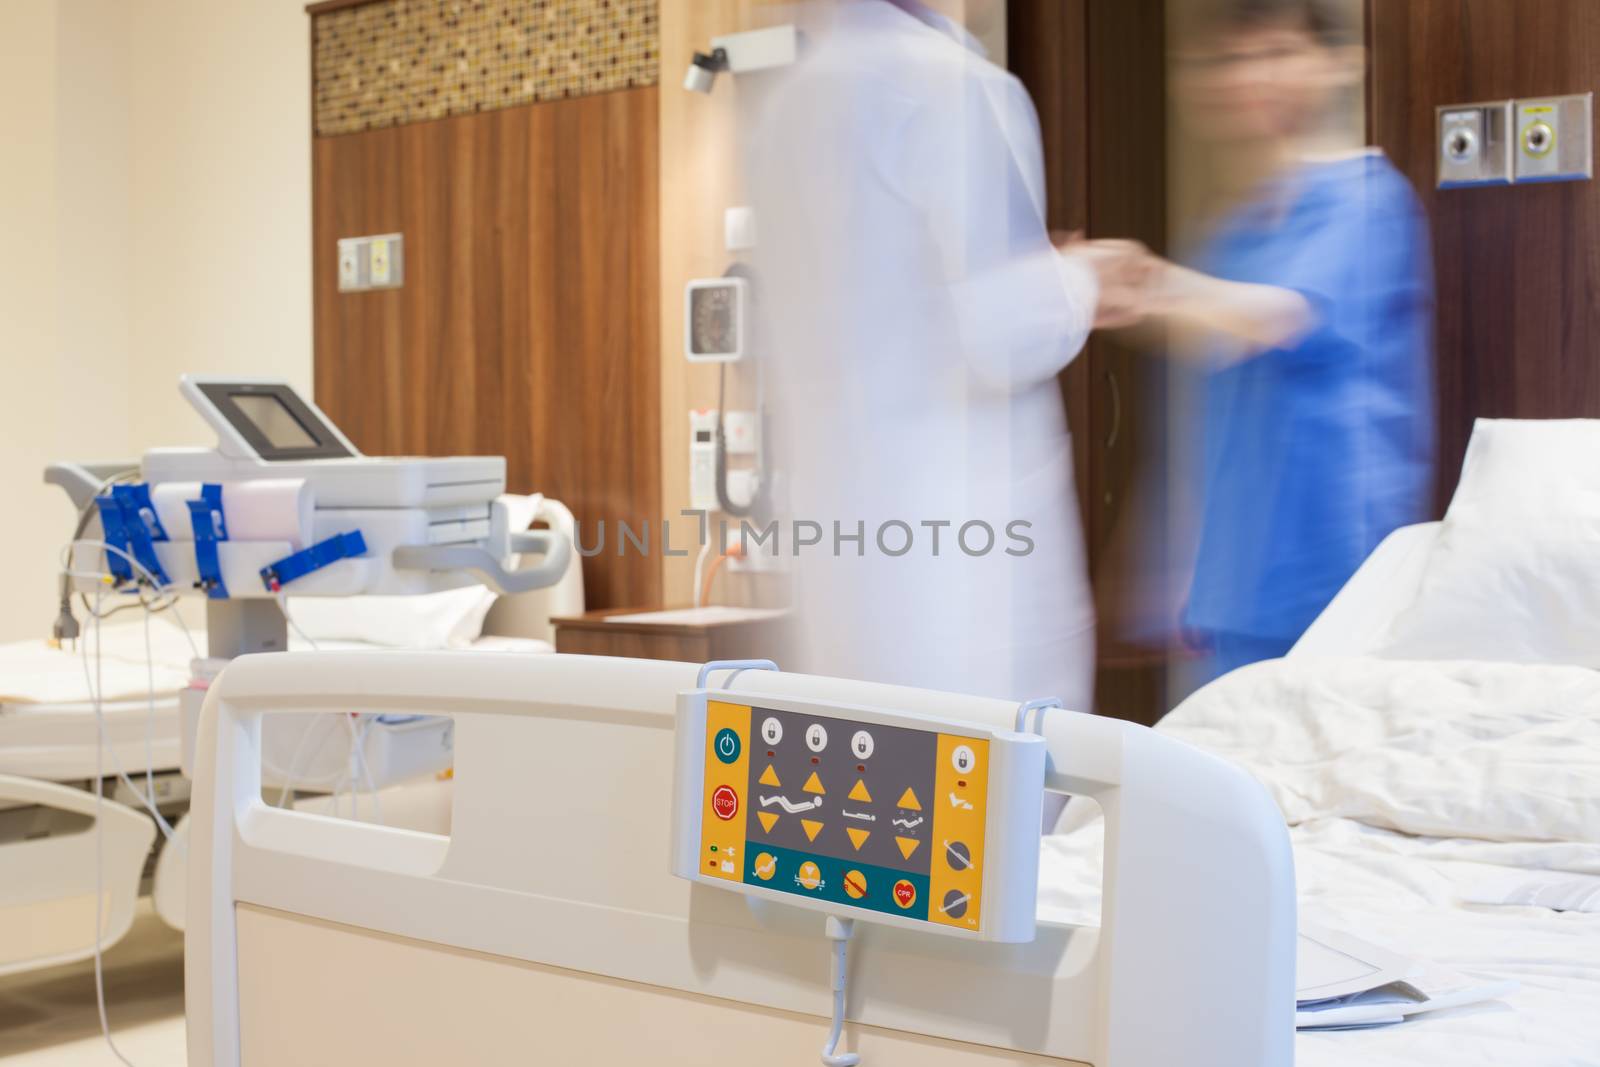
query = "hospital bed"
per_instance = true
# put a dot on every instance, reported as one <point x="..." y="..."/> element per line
<point x="1448" y="809"/>
<point x="1433" y="741"/>
<point x="369" y="551"/>
<point x="50" y="747"/>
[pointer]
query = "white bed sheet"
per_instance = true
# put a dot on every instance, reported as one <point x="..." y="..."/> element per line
<point x="1374" y="763"/>
<point x="47" y="725"/>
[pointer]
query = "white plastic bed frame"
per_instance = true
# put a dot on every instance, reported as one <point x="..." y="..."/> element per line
<point x="547" y="927"/>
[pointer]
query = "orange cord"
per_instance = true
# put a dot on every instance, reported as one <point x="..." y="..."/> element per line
<point x="734" y="552"/>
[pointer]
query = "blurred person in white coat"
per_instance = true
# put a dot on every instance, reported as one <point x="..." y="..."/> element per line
<point x="915" y="314"/>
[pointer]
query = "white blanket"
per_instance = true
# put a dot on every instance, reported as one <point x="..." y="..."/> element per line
<point x="1444" y="810"/>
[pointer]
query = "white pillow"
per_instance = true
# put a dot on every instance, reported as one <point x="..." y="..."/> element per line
<point x="449" y="619"/>
<point x="1517" y="469"/>
<point x="1515" y="573"/>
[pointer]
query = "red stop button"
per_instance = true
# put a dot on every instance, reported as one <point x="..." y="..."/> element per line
<point x="725" y="802"/>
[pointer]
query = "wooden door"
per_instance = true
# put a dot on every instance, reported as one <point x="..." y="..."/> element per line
<point x="1097" y="73"/>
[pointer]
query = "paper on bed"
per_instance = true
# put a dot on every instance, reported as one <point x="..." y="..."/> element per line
<point x="1343" y="981"/>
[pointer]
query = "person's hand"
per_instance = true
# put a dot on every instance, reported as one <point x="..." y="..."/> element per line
<point x="1128" y="274"/>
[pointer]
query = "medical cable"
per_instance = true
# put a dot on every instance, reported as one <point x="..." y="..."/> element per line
<point x="147" y="800"/>
<point x="838" y="932"/>
<point x="166" y="602"/>
<point x="357" y="770"/>
<point x="66" y="628"/>
<point x="724" y="502"/>
<point x="99" y="847"/>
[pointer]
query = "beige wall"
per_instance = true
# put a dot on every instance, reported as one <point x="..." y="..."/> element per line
<point x="221" y="187"/>
<point x="155" y="206"/>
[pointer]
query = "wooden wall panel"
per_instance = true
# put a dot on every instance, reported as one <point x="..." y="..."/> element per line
<point x="1517" y="271"/>
<point x="527" y="324"/>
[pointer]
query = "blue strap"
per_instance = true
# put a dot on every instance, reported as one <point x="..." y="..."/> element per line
<point x="210" y="527"/>
<point x="137" y="528"/>
<point x="115" y="536"/>
<point x="340" y="546"/>
<point x="136" y="504"/>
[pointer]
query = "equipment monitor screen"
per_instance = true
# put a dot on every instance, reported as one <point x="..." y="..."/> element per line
<point x="864" y="815"/>
<point x="274" y="421"/>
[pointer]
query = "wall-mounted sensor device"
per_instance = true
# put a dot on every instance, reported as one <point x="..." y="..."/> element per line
<point x="1474" y="144"/>
<point x="703" y="429"/>
<point x="740" y="53"/>
<point x="714" y="315"/>
<point x="1553" y="140"/>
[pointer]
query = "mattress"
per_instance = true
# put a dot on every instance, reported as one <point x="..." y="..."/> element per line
<point x="1448" y="811"/>
<point x="47" y="721"/>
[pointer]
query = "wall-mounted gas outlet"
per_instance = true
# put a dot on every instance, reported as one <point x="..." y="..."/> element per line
<point x="376" y="262"/>
<point x="1474" y="144"/>
<point x="1554" y="139"/>
<point x="1550" y="139"/>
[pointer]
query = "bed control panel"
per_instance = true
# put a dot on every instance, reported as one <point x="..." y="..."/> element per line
<point x="866" y="812"/>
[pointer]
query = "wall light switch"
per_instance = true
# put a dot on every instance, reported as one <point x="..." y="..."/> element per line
<point x="350" y="264"/>
<point x="376" y="262"/>
<point x="386" y="260"/>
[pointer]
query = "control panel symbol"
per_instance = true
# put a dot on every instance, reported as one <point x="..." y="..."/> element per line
<point x="855" y="884"/>
<point x="791" y="806"/>
<point x="766" y="866"/>
<point x="963" y="759"/>
<point x="816" y="737"/>
<point x="809" y="876"/>
<point x="909" y="801"/>
<point x="769" y="819"/>
<point x="857" y="837"/>
<point x="811" y="827"/>
<point x="770" y="777"/>
<point x="955" y="903"/>
<point x="905" y="893"/>
<point x="908" y="845"/>
<point x="959" y="804"/>
<point x="725" y="802"/>
<point x="771" y="730"/>
<point x="859" y="792"/>
<point x="958" y="855"/>
<point x="861" y="745"/>
<point x="727" y="745"/>
<point x="814" y="785"/>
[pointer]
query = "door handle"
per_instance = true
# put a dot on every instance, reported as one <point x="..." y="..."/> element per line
<point x="1116" y="409"/>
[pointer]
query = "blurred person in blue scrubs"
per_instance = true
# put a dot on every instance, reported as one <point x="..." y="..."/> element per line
<point x="1308" y="311"/>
